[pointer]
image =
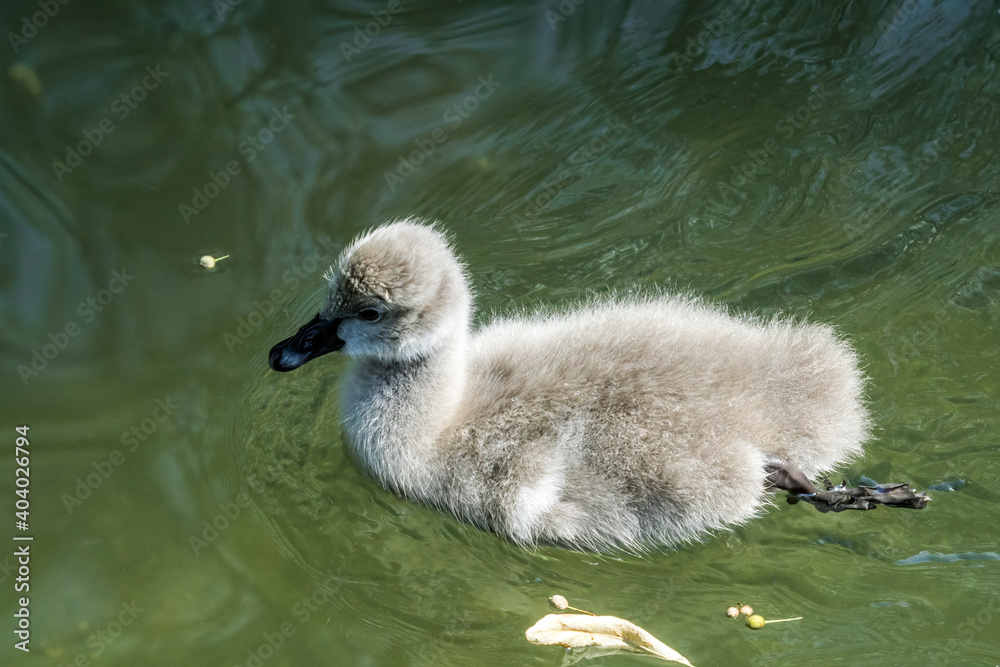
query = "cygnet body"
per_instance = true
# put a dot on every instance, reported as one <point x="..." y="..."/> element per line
<point x="626" y="423"/>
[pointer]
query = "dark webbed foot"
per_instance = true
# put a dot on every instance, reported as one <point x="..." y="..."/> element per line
<point x="838" y="498"/>
<point x="787" y="477"/>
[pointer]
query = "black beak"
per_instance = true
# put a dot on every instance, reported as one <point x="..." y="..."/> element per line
<point x="313" y="339"/>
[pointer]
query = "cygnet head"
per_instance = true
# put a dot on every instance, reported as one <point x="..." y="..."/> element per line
<point x="397" y="294"/>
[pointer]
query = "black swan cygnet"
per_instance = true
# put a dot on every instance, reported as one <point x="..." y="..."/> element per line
<point x="625" y="423"/>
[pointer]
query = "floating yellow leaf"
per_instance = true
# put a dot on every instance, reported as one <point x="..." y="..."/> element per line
<point x="611" y="632"/>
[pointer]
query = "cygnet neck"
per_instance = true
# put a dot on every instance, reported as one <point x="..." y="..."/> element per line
<point x="402" y="407"/>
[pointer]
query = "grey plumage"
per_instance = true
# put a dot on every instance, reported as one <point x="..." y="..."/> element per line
<point x="625" y="423"/>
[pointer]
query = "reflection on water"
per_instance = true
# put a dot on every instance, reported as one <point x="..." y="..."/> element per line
<point x="835" y="161"/>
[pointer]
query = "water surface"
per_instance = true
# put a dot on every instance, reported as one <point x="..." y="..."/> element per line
<point x="830" y="161"/>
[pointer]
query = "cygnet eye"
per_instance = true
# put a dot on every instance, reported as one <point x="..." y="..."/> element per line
<point x="370" y="315"/>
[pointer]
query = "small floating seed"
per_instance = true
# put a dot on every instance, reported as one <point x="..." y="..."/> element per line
<point x="757" y="621"/>
<point x="209" y="262"/>
<point x="559" y="602"/>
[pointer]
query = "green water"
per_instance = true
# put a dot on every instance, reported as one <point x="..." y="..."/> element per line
<point x="831" y="161"/>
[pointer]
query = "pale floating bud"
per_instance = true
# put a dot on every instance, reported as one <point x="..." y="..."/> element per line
<point x="746" y="610"/>
<point x="209" y="262"/>
<point x="732" y="612"/>
<point x="559" y="602"/>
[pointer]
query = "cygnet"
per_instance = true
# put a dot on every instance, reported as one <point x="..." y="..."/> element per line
<point x="625" y="423"/>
